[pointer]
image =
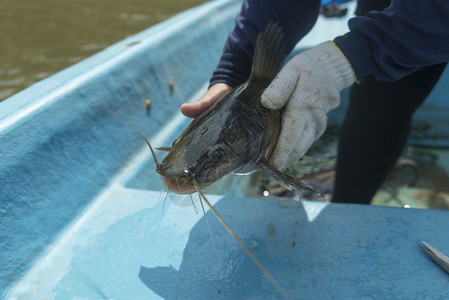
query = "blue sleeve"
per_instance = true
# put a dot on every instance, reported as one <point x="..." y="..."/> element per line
<point x="393" y="43"/>
<point x="296" y="17"/>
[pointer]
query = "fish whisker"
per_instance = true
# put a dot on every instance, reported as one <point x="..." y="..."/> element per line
<point x="159" y="198"/>
<point x="165" y="200"/>
<point x="193" y="204"/>
<point x="200" y="194"/>
<point x="141" y="134"/>
<point x="255" y="260"/>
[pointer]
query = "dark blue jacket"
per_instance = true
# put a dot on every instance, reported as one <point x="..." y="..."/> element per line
<point x="389" y="45"/>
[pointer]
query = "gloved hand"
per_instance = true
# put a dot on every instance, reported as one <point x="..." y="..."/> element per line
<point x="309" y="85"/>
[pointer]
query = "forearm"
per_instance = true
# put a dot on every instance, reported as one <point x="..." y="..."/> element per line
<point x="296" y="17"/>
<point x="404" y="37"/>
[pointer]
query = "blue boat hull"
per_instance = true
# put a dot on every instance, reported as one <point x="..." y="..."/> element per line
<point x="78" y="192"/>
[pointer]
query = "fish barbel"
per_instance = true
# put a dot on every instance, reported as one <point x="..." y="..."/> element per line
<point x="237" y="135"/>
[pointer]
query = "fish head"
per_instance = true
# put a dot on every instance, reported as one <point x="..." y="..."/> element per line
<point x="182" y="171"/>
<point x="204" y="153"/>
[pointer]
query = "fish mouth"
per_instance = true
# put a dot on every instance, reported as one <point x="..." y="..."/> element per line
<point x="178" y="187"/>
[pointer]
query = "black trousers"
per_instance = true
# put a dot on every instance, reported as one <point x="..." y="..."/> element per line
<point x="376" y="126"/>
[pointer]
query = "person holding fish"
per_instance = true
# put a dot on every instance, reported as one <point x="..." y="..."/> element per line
<point x="391" y="58"/>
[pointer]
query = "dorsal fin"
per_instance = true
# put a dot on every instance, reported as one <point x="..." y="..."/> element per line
<point x="269" y="53"/>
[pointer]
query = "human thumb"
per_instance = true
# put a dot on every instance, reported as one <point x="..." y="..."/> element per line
<point x="278" y="92"/>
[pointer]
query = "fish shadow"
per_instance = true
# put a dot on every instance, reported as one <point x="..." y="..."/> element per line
<point x="225" y="271"/>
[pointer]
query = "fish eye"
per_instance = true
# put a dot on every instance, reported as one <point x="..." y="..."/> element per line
<point x="218" y="153"/>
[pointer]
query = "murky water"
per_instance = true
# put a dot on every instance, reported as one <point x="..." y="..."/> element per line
<point x="39" y="38"/>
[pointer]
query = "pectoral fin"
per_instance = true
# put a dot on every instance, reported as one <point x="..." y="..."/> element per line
<point x="286" y="180"/>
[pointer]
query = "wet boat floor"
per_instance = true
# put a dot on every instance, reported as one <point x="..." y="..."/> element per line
<point x="419" y="179"/>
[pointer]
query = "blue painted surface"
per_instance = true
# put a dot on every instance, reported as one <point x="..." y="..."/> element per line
<point x="59" y="144"/>
<point x="127" y="248"/>
<point x="78" y="191"/>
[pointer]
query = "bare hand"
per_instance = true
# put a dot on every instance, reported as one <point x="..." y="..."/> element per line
<point x="215" y="92"/>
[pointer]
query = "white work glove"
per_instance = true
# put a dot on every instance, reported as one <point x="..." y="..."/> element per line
<point x="309" y="85"/>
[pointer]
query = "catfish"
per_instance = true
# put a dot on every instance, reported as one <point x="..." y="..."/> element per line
<point x="236" y="135"/>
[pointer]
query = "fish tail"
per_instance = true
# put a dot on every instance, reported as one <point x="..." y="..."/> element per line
<point x="269" y="53"/>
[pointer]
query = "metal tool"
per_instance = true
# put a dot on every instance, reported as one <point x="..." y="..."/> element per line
<point x="436" y="255"/>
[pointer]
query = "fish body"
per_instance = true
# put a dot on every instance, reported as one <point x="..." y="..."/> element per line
<point x="237" y="134"/>
<point x="231" y="137"/>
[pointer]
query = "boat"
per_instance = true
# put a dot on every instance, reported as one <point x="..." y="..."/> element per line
<point x="79" y="210"/>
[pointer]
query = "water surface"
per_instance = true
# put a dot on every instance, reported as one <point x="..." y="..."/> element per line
<point x="39" y="38"/>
